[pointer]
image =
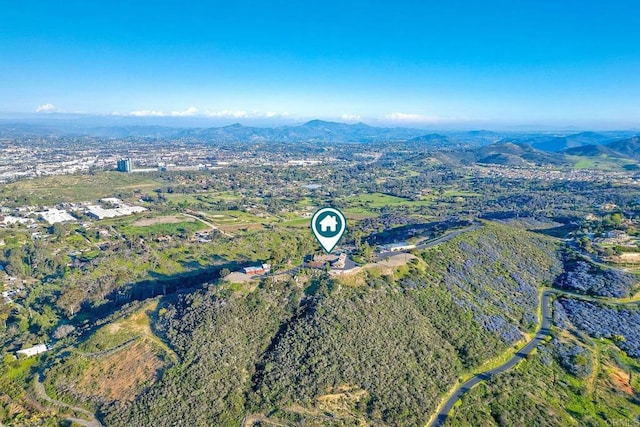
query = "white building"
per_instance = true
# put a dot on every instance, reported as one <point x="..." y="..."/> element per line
<point x="396" y="247"/>
<point x="54" y="215"/>
<point x="9" y="219"/>
<point x="32" y="351"/>
<point x="113" y="200"/>
<point x="99" y="212"/>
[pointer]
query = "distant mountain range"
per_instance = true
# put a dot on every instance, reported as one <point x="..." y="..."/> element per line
<point x="312" y="131"/>
<point x="626" y="151"/>
<point x="559" y="143"/>
<point x="508" y="153"/>
<point x="628" y="148"/>
<point x="478" y="146"/>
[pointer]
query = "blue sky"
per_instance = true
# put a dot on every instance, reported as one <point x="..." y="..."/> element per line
<point x="438" y="63"/>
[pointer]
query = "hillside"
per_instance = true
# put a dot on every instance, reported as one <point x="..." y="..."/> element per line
<point x="379" y="349"/>
<point x="629" y="147"/>
<point x="617" y="155"/>
<point x="559" y="143"/>
<point x="592" y="151"/>
<point x="509" y="153"/>
<point x="586" y="375"/>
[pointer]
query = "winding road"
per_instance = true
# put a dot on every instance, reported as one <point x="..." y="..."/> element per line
<point x="542" y="333"/>
<point x="42" y="393"/>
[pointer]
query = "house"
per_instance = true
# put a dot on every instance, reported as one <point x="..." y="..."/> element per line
<point x="319" y="261"/>
<point x="253" y="271"/>
<point x="396" y="247"/>
<point x="329" y="223"/>
<point x="340" y="262"/>
<point x="617" y="234"/>
<point x="32" y="351"/>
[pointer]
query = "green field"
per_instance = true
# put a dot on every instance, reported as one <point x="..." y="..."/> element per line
<point x="362" y="203"/>
<point x="77" y="188"/>
<point x="600" y="163"/>
<point x="178" y="228"/>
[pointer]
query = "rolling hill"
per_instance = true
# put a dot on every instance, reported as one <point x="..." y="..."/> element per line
<point x="508" y="153"/>
<point x="560" y="143"/>
<point x="629" y="147"/>
<point x="379" y="349"/>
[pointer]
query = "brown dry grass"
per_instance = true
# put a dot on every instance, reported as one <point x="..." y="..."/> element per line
<point x="619" y="380"/>
<point x="123" y="375"/>
<point x="170" y="219"/>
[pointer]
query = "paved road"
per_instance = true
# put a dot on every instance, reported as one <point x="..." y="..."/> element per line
<point x="41" y="392"/>
<point x="448" y="236"/>
<point x="542" y="333"/>
<point x="434" y="242"/>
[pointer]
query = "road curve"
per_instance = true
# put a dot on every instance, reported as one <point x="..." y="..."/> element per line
<point x="42" y="393"/>
<point x="542" y="333"/>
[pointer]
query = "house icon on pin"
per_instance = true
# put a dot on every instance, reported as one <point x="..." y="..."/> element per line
<point x="328" y="224"/>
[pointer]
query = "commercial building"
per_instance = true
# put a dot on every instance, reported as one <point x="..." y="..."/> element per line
<point x="98" y="212"/>
<point x="54" y="215"/>
<point x="124" y="165"/>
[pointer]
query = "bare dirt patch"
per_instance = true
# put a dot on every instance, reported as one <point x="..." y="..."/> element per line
<point x="237" y="277"/>
<point x="170" y="219"/>
<point x="136" y="322"/>
<point x="392" y="261"/>
<point x="123" y="375"/>
<point x="620" y="380"/>
<point x="626" y="257"/>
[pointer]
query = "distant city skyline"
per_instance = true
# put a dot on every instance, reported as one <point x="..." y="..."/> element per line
<point x="457" y="64"/>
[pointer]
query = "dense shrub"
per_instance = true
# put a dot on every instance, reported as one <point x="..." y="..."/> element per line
<point x="621" y="325"/>
<point x="593" y="280"/>
<point x="575" y="358"/>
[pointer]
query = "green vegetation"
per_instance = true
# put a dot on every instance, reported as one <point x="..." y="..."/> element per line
<point x="392" y="345"/>
<point x="183" y="229"/>
<point x="218" y="338"/>
<point x="543" y="391"/>
<point x="116" y="363"/>
<point x="602" y="162"/>
<point x="379" y="347"/>
<point x="76" y="188"/>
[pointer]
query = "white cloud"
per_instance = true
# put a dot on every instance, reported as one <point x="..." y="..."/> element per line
<point x="191" y="111"/>
<point x="147" y="113"/>
<point x="228" y="114"/>
<point x="222" y="114"/>
<point x="350" y="117"/>
<point x="45" y="108"/>
<point x="241" y="114"/>
<point x="410" y="117"/>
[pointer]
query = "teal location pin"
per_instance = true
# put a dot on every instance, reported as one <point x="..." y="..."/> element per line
<point x="328" y="225"/>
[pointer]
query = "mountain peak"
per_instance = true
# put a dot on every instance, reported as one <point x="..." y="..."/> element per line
<point x="320" y="123"/>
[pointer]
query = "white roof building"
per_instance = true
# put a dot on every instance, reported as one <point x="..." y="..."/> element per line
<point x="54" y="215"/>
<point x="112" y="200"/>
<point x="32" y="351"/>
<point x="99" y="212"/>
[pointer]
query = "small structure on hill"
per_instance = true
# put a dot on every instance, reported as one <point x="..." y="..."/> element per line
<point x="32" y="351"/>
<point x="396" y="247"/>
<point x="257" y="270"/>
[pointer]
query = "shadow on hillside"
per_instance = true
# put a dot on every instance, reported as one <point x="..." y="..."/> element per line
<point x="157" y="285"/>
